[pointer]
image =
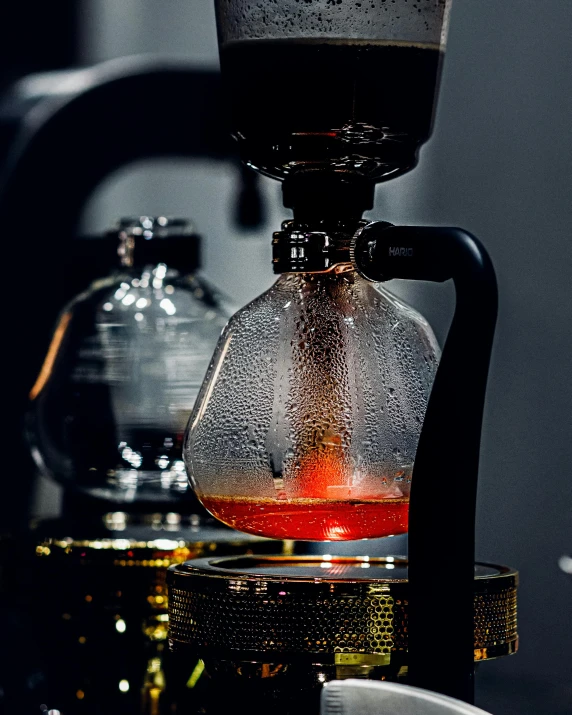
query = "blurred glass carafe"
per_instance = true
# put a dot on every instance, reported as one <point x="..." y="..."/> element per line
<point x="127" y="358"/>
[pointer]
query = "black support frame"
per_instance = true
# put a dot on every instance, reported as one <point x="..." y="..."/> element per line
<point x="445" y="473"/>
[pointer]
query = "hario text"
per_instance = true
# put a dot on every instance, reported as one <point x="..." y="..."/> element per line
<point x="400" y="251"/>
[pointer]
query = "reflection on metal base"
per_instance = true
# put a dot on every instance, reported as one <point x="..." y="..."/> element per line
<point x="297" y="622"/>
<point x="323" y="609"/>
<point x="92" y="612"/>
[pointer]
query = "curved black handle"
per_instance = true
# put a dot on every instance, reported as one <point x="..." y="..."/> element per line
<point x="445" y="473"/>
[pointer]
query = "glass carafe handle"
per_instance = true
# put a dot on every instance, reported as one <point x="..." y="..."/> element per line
<point x="450" y="435"/>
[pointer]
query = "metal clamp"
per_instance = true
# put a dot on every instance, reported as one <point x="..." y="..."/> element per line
<point x="299" y="248"/>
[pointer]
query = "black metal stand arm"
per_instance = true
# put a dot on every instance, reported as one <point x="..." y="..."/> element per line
<point x="444" y="483"/>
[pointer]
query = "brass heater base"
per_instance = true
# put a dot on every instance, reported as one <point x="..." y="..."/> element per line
<point x="260" y="616"/>
<point x="93" y="609"/>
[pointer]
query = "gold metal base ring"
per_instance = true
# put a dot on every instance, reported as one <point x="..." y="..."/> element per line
<point x="348" y="611"/>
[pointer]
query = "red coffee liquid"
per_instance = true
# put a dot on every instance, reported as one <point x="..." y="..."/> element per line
<point x="311" y="519"/>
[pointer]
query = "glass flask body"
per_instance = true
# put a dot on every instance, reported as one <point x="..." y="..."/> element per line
<point x="109" y="408"/>
<point x="307" y="423"/>
<point x="345" y="86"/>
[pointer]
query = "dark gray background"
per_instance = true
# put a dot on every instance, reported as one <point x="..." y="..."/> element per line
<point x="500" y="165"/>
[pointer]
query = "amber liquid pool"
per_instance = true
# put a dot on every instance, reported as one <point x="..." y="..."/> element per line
<point x="311" y="519"/>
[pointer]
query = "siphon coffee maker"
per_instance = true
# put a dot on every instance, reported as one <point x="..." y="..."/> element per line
<point x="327" y="412"/>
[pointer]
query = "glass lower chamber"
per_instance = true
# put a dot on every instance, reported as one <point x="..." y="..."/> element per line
<point x="251" y="633"/>
<point x="86" y="619"/>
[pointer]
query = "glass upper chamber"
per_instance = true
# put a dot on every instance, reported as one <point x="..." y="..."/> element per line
<point x="337" y="85"/>
<point x="110" y="406"/>
<point x="308" y="420"/>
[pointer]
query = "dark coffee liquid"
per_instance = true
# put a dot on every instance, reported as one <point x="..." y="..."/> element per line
<point x="347" y="105"/>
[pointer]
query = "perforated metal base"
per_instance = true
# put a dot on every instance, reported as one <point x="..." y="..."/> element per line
<point x="326" y="610"/>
